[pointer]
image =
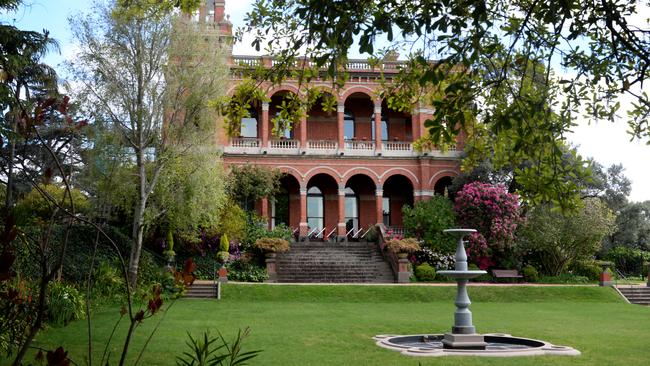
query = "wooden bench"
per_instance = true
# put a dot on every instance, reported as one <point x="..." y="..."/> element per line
<point x="506" y="273"/>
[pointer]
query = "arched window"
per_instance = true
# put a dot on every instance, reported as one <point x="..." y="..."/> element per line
<point x="249" y="124"/>
<point x="351" y="210"/>
<point x="384" y="127"/>
<point x="348" y="125"/>
<point x="280" y="208"/>
<point x="315" y="211"/>
<point x="385" y="208"/>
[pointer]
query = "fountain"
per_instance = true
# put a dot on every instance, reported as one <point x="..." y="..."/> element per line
<point x="463" y="339"/>
<point x="463" y="334"/>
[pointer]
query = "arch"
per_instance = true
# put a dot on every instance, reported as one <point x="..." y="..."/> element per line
<point x="345" y="177"/>
<point x="321" y="169"/>
<point x="396" y="171"/>
<point x="328" y="89"/>
<point x="286" y="169"/>
<point x="441" y="185"/>
<point x="359" y="89"/>
<point x="446" y="172"/>
<point x="284" y="87"/>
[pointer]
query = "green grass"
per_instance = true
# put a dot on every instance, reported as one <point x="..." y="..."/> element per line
<point x="333" y="325"/>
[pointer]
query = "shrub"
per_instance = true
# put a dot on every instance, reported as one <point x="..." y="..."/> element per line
<point x="436" y="260"/>
<point x="556" y="240"/>
<point x="273" y="245"/>
<point x="64" y="304"/>
<point x="257" y="229"/>
<point x="224" y="243"/>
<point x="588" y="269"/>
<point x="427" y="219"/>
<point x="629" y="261"/>
<point x="240" y="270"/>
<point x="408" y="245"/>
<point x="108" y="281"/>
<point x="494" y="213"/>
<point x="425" y="273"/>
<point x="530" y="273"/>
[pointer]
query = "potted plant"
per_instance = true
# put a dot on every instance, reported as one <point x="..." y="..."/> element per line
<point x="403" y="247"/>
<point x="271" y="246"/>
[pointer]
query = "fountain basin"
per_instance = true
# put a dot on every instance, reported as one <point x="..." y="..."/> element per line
<point x="498" y="345"/>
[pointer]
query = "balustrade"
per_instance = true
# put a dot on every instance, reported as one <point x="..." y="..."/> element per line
<point x="245" y="142"/>
<point x="284" y="144"/>
<point x="322" y="144"/>
<point x="359" y="145"/>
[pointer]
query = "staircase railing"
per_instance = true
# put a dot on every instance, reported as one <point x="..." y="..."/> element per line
<point x="620" y="275"/>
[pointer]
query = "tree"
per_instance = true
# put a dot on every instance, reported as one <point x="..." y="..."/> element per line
<point x="152" y="89"/>
<point x="249" y="183"/>
<point x="610" y="184"/>
<point x="478" y="47"/>
<point x="632" y="227"/>
<point x="557" y="240"/>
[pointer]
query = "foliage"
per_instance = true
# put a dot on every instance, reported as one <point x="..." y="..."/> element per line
<point x="108" y="282"/>
<point x="427" y="220"/>
<point x="586" y="268"/>
<point x="19" y="309"/>
<point x="244" y="271"/>
<point x="136" y="72"/>
<point x="249" y="183"/>
<point x="232" y="221"/>
<point x="424" y="272"/>
<point x="224" y="243"/>
<point x="555" y="240"/>
<point x="495" y="63"/>
<point x="189" y="194"/>
<point x="610" y="184"/>
<point x="35" y="207"/>
<point x="530" y="273"/>
<point x="64" y="304"/>
<point x="437" y="260"/>
<point x="632" y="227"/>
<point x="494" y="213"/>
<point x="257" y="229"/>
<point x="629" y="261"/>
<point x="407" y="245"/>
<point x="564" y="278"/>
<point x="273" y="245"/>
<point x="237" y="107"/>
<point x="222" y="257"/>
<point x="206" y="353"/>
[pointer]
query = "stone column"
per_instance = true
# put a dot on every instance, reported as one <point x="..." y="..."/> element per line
<point x="303" y="213"/>
<point x="415" y="125"/>
<point x="340" y="228"/>
<point x="403" y="270"/>
<point x="379" y="204"/>
<point x="303" y="132"/>
<point x="340" y="114"/>
<point x="265" y="125"/>
<point x="271" y="268"/>
<point x="378" y="127"/>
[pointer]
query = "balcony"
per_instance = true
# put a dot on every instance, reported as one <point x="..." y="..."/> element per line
<point x="403" y="149"/>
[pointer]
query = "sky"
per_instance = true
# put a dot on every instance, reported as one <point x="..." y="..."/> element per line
<point x="606" y="142"/>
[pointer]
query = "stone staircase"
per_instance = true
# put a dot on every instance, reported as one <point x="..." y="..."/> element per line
<point x="202" y="290"/>
<point x="636" y="294"/>
<point x="351" y="262"/>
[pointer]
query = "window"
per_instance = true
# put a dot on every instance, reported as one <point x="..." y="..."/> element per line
<point x="348" y="125"/>
<point x="385" y="208"/>
<point x="249" y="124"/>
<point x="351" y="210"/>
<point x="384" y="127"/>
<point x="315" y="208"/>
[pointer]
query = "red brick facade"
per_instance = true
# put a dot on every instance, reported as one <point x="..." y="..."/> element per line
<point x="317" y="153"/>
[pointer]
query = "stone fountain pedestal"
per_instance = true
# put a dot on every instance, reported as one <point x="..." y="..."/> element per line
<point x="463" y="334"/>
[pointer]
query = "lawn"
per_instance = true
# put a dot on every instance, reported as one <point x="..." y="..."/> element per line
<point x="333" y="325"/>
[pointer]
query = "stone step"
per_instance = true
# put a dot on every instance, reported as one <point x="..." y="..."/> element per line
<point x="313" y="262"/>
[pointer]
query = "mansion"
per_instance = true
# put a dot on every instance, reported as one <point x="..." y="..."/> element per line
<point x="345" y="170"/>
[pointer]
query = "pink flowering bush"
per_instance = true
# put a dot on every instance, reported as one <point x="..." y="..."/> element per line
<point x="494" y="213"/>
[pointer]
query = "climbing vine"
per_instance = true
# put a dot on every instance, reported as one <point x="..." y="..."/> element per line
<point x="238" y="106"/>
